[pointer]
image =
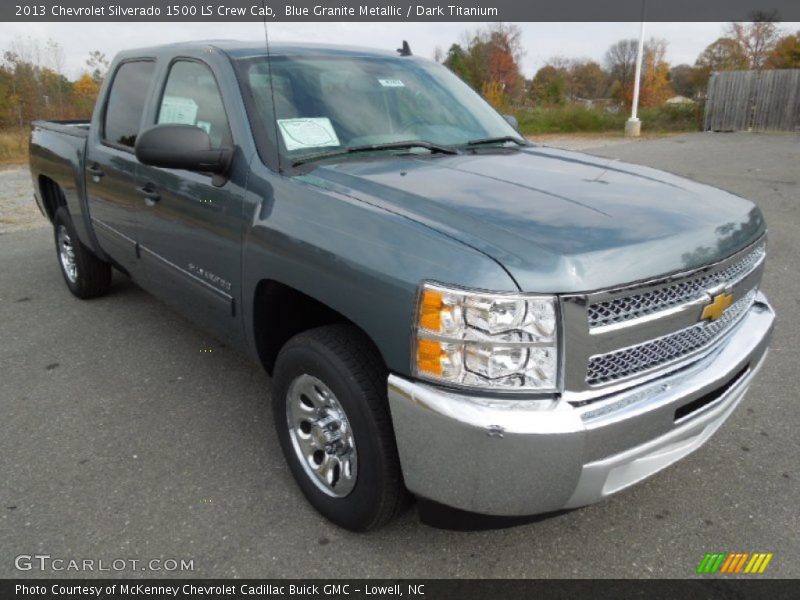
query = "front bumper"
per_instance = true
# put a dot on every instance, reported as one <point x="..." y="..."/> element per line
<point x="518" y="457"/>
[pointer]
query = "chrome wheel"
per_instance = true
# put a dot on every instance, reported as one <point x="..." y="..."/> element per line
<point x="321" y="436"/>
<point x="66" y="253"/>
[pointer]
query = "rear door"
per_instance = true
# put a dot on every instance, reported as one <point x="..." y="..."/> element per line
<point x="111" y="165"/>
<point x="191" y="222"/>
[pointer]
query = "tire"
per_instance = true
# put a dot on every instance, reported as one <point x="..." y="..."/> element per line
<point x="86" y="275"/>
<point x="338" y="361"/>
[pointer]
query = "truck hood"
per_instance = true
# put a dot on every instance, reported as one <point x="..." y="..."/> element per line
<point x="558" y="221"/>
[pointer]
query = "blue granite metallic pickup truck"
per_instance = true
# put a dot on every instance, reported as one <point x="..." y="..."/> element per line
<point x="445" y="309"/>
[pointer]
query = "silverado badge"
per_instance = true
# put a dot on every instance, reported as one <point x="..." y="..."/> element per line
<point x="719" y="304"/>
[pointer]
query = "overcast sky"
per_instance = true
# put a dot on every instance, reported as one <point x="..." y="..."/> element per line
<point x="540" y="40"/>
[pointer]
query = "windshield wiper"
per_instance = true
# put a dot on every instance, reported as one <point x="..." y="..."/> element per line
<point x="434" y="148"/>
<point x="496" y="140"/>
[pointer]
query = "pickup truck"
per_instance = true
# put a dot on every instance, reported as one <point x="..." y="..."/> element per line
<point x="445" y="309"/>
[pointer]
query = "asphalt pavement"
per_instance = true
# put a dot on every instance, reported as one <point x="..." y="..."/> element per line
<point x="128" y="433"/>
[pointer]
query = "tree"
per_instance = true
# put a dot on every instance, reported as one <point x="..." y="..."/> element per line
<point x="492" y="91"/>
<point x="756" y="39"/>
<point x="688" y="81"/>
<point x="55" y="62"/>
<point x="549" y="86"/>
<point x="496" y="52"/>
<point x="98" y="64"/>
<point x="458" y="61"/>
<point x="620" y="62"/>
<point x="490" y="58"/>
<point x="786" y="54"/>
<point x="724" y="54"/>
<point x="655" y="86"/>
<point x="86" y="90"/>
<point x="587" y="79"/>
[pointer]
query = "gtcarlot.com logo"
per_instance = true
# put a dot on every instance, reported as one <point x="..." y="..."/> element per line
<point x="734" y="563"/>
<point x="46" y="562"/>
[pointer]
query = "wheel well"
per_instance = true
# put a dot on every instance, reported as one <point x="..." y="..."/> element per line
<point x="280" y="312"/>
<point x="52" y="196"/>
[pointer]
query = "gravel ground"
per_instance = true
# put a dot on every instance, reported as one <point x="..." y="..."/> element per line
<point x="18" y="209"/>
<point x="121" y="437"/>
<point x="587" y="142"/>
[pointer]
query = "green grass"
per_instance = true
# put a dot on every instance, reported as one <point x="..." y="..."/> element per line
<point x="570" y="118"/>
<point x="573" y="118"/>
<point x="13" y="146"/>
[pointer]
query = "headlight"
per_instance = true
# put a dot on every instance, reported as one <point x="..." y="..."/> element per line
<point x="480" y="340"/>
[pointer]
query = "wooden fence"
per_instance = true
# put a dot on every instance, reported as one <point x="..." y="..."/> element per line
<point x="753" y="101"/>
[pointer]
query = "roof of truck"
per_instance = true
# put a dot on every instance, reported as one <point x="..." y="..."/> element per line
<point x="244" y="49"/>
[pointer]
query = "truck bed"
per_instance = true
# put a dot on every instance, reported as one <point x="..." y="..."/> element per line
<point x="57" y="150"/>
<point x="77" y="128"/>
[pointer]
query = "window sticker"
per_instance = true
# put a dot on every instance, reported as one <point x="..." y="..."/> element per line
<point x="308" y="133"/>
<point x="178" y="110"/>
<point x="391" y="83"/>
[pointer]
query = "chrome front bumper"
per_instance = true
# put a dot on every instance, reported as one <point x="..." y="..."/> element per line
<point x="522" y="457"/>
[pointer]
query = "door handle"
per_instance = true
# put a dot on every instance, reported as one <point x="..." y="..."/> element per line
<point x="151" y="196"/>
<point x="95" y="171"/>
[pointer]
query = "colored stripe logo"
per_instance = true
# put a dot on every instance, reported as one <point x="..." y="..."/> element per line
<point x="734" y="563"/>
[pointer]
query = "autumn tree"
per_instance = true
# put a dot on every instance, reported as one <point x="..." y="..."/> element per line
<point x="756" y="39"/>
<point x="655" y="85"/>
<point x="621" y="64"/>
<point x="32" y="85"/>
<point x="724" y="54"/>
<point x="688" y="81"/>
<point x="85" y="90"/>
<point x="587" y="79"/>
<point x="786" y="53"/>
<point x="489" y="60"/>
<point x="549" y="86"/>
<point x="9" y="101"/>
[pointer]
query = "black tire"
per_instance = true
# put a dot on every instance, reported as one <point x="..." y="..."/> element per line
<point x="91" y="277"/>
<point x="344" y="360"/>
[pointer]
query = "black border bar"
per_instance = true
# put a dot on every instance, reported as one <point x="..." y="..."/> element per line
<point x="711" y="587"/>
<point x="397" y="10"/>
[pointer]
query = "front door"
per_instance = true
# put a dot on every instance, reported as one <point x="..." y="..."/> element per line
<point x="191" y="223"/>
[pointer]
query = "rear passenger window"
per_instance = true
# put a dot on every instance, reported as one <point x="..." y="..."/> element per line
<point x="126" y="102"/>
<point x="191" y="97"/>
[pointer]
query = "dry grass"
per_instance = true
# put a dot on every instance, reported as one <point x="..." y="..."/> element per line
<point x="14" y="146"/>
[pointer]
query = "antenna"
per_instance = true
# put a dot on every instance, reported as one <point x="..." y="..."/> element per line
<point x="404" y="51"/>
<point x="271" y="87"/>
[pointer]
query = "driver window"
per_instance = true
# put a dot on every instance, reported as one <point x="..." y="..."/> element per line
<point x="191" y="97"/>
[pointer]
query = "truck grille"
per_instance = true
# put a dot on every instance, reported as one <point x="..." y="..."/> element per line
<point x="634" y="306"/>
<point x="638" y="359"/>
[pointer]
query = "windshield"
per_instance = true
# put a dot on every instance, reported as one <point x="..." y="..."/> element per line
<point x="327" y="104"/>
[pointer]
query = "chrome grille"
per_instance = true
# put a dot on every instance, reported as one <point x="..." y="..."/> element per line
<point x="626" y="308"/>
<point x="638" y="359"/>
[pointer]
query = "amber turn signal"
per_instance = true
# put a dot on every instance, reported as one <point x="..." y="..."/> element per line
<point x="429" y="357"/>
<point x="430" y="310"/>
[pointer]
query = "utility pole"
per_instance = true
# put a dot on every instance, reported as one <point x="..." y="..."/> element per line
<point x="633" y="126"/>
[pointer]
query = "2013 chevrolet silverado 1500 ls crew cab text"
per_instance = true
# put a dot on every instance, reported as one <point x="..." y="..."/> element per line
<point x="444" y="308"/>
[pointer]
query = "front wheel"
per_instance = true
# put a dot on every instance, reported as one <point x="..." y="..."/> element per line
<point x="334" y="427"/>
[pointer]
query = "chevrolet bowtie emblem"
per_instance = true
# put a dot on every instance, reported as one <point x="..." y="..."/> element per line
<point x="719" y="304"/>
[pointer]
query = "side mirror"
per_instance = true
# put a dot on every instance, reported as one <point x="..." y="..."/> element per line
<point x="181" y="147"/>
<point x="512" y="120"/>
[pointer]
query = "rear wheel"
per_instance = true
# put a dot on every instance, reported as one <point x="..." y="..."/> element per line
<point x="334" y="427"/>
<point x="86" y="275"/>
